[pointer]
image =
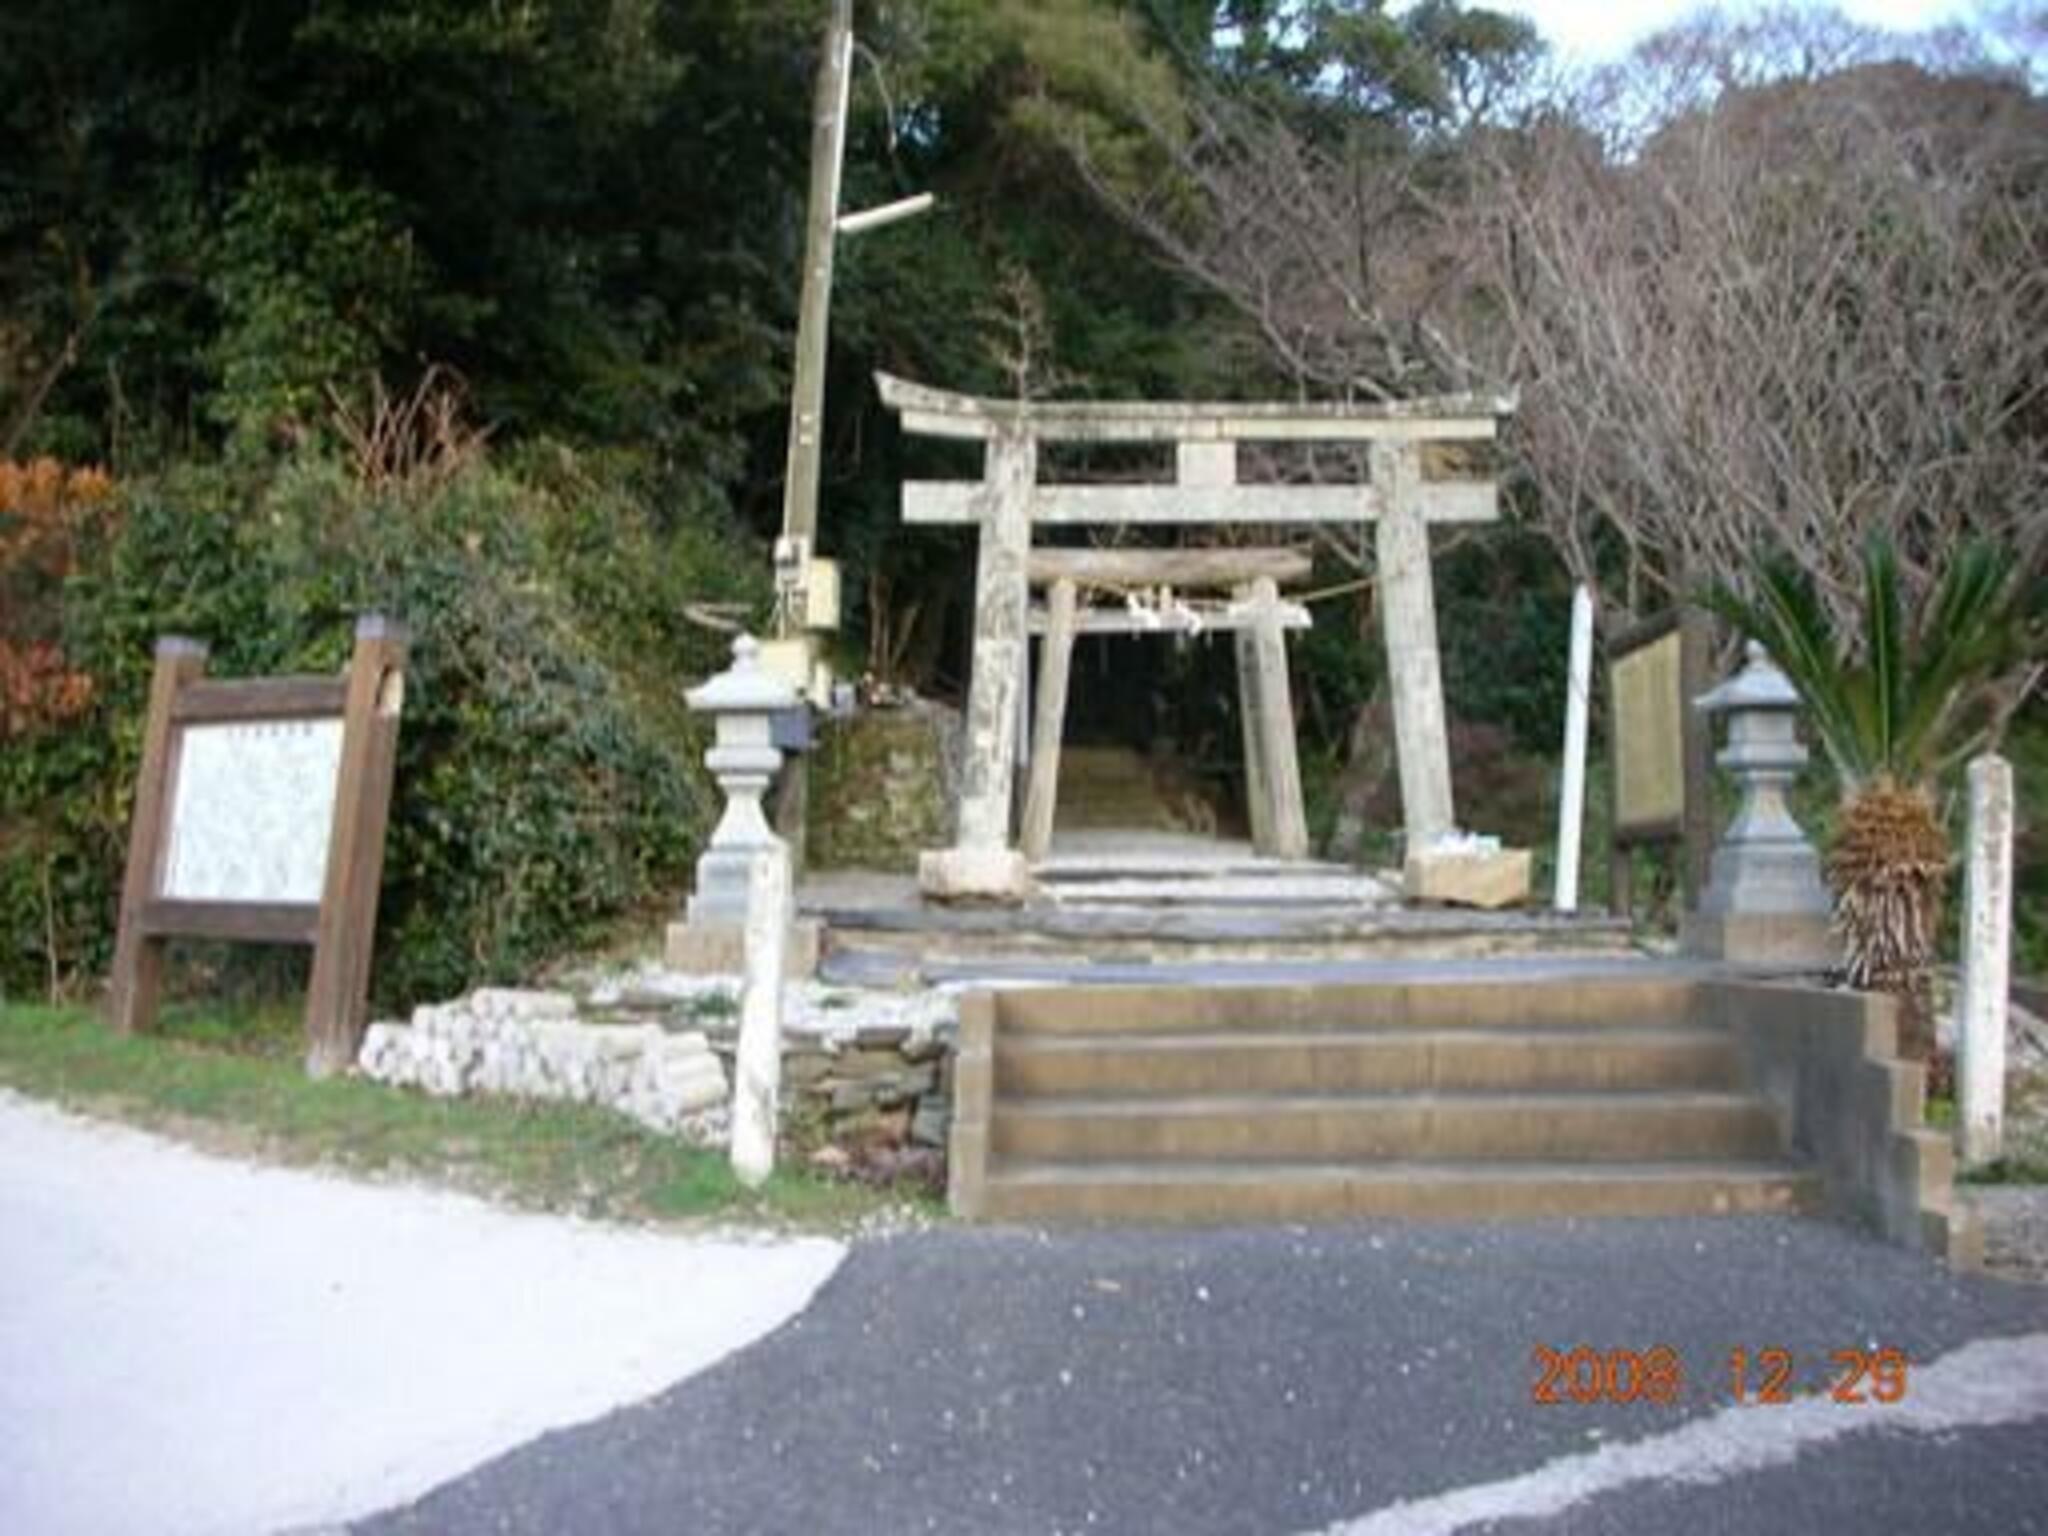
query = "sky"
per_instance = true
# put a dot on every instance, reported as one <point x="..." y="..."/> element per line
<point x="1604" y="29"/>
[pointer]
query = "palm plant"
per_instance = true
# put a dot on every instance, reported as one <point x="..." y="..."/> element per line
<point x="1893" y="711"/>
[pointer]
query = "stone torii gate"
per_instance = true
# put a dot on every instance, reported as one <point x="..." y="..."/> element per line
<point x="1009" y="499"/>
<point x="1255" y="617"/>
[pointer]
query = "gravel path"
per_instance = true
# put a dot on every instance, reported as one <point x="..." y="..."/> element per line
<point x="190" y="1345"/>
<point x="2015" y="1229"/>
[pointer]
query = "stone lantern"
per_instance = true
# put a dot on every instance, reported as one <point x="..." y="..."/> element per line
<point x="747" y="704"/>
<point x="1764" y="903"/>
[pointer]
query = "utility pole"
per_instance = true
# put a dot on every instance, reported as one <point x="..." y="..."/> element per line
<point x="802" y="606"/>
<point x="807" y="399"/>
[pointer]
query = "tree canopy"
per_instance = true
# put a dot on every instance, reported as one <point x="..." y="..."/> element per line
<point x="273" y="270"/>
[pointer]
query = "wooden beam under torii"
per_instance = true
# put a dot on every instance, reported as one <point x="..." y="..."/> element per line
<point x="1206" y="489"/>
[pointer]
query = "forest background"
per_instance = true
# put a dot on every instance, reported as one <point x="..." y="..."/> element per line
<point x="481" y="314"/>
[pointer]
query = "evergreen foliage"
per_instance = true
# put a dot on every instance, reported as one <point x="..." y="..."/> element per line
<point x="1892" y="699"/>
<point x="1896" y="705"/>
<point x="547" y="781"/>
<point x="240" y="240"/>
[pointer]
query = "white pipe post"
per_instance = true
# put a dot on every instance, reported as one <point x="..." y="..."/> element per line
<point x="889" y="213"/>
<point x="757" y="1065"/>
<point x="1986" y="987"/>
<point x="1571" y="804"/>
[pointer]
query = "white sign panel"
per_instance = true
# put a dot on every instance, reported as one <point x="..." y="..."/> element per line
<point x="251" y="811"/>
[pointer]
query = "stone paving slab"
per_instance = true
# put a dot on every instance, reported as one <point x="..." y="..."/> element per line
<point x="853" y="965"/>
<point x="1220" y="923"/>
<point x="1228" y="890"/>
<point x="2015" y="1220"/>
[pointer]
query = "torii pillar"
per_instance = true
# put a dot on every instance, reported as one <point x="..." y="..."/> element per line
<point x="1407" y="594"/>
<point x="983" y="863"/>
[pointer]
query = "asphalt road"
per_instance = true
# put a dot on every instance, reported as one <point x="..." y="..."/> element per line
<point x="1293" y="1380"/>
<point x="1988" y="1483"/>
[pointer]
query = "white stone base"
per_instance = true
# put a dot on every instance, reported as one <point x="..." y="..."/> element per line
<point x="720" y="949"/>
<point x="975" y="874"/>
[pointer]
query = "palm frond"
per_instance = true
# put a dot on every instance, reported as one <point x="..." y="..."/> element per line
<point x="1893" y="721"/>
<point x="1787" y="619"/>
<point x="1971" y="629"/>
<point x="1882" y="642"/>
<point x="1907" y="707"/>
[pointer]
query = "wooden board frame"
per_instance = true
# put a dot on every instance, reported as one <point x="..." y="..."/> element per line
<point x="341" y="926"/>
<point x="1693" y="828"/>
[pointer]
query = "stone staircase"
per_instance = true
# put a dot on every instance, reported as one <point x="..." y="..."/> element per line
<point x="1115" y="787"/>
<point x="1303" y="1103"/>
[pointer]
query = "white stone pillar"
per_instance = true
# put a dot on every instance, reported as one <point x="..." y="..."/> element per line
<point x="1985" y="993"/>
<point x="1041" y="799"/>
<point x="1024" y="715"/>
<point x="757" y="1065"/>
<point x="1279" y="756"/>
<point x="982" y="863"/>
<point x="1258" y="807"/>
<point x="1407" y="596"/>
<point x="1571" y="799"/>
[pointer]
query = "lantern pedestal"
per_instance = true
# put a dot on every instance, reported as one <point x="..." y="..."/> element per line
<point x="744" y="702"/>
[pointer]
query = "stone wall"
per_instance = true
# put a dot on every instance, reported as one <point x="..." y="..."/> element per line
<point x="1829" y="1061"/>
<point x="885" y="1087"/>
<point x="884" y="785"/>
<point x="866" y="1076"/>
<point x="537" y="1045"/>
<point x="864" y="1070"/>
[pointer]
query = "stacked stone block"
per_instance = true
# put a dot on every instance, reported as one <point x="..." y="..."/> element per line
<point x="534" y="1045"/>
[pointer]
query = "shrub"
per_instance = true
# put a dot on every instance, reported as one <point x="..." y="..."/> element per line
<point x="546" y="775"/>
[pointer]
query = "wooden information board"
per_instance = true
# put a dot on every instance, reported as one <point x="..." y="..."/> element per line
<point x="260" y="811"/>
<point x="1660" y="750"/>
<point x="1648" y="738"/>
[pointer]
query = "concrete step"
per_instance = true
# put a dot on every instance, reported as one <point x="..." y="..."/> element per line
<point x="1568" y="1003"/>
<point x="1314" y="1191"/>
<point x="1364" y="1061"/>
<point x="1144" y="812"/>
<point x="1078" y="861"/>
<point x="1517" y="1126"/>
<point x="1257" y="940"/>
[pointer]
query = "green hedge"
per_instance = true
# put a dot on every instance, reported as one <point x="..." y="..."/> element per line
<point x="547" y="775"/>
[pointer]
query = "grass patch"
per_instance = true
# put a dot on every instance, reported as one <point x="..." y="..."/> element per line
<point x="231" y="1080"/>
<point x="2010" y="1170"/>
<point x="712" y="1005"/>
